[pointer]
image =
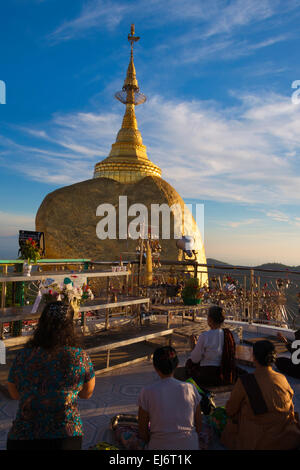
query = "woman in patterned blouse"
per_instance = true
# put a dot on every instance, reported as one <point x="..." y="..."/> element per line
<point x="47" y="377"/>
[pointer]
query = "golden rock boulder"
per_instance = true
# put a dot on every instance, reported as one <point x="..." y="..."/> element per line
<point x="70" y="216"/>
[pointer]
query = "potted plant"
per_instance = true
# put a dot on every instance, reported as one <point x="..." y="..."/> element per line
<point x="191" y="293"/>
<point x="31" y="253"/>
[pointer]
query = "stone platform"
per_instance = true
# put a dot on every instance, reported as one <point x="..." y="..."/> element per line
<point x="116" y="392"/>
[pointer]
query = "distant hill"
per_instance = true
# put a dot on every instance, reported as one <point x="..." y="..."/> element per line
<point x="274" y="266"/>
<point x="216" y="262"/>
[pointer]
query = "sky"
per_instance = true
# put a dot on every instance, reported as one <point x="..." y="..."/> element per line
<point x="221" y="119"/>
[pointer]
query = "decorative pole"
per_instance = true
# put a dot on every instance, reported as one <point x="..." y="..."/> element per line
<point x="252" y="295"/>
<point x="148" y="265"/>
<point x="258" y="297"/>
<point x="3" y="299"/>
<point x="16" y="326"/>
<point x="245" y="295"/>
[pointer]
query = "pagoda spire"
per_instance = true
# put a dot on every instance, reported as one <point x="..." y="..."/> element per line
<point x="128" y="161"/>
<point x="130" y="80"/>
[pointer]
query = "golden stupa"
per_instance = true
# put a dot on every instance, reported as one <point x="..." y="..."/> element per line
<point x="68" y="216"/>
<point x="128" y="161"/>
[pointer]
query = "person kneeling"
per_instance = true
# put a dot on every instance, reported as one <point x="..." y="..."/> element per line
<point x="260" y="409"/>
<point x="170" y="407"/>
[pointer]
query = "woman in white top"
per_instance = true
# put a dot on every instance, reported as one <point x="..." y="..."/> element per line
<point x="212" y="360"/>
<point x="170" y="408"/>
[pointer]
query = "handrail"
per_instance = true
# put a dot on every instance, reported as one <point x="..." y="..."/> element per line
<point x="19" y="277"/>
<point x="46" y="261"/>
<point x="226" y="267"/>
<point x="163" y="262"/>
<point x="90" y="266"/>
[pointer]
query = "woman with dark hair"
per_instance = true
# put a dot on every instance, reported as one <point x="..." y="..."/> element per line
<point x="212" y="360"/>
<point x="47" y="377"/>
<point x="171" y="407"/>
<point x="260" y="409"/>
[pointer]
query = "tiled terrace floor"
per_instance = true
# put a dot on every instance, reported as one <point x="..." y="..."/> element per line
<point x="115" y="392"/>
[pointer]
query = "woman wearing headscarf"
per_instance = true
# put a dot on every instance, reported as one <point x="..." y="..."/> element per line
<point x="260" y="409"/>
<point x="47" y="377"/>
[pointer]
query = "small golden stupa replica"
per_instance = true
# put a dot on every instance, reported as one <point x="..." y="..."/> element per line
<point x="69" y="216"/>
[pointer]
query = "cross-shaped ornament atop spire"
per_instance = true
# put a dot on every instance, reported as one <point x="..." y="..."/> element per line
<point x="132" y="38"/>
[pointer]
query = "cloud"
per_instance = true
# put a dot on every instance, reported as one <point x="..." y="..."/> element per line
<point x="202" y="34"/>
<point x="283" y="218"/>
<point x="266" y="68"/>
<point x="97" y="14"/>
<point x="11" y="223"/>
<point x="245" y="154"/>
<point x="66" y="151"/>
<point x="224" y="49"/>
<point x="278" y="216"/>
<point x="240" y="13"/>
<point x="225" y="154"/>
<point x="240" y="223"/>
<point x="106" y="15"/>
<point x="221" y="18"/>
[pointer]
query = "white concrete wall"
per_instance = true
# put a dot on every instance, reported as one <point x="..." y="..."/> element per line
<point x="267" y="330"/>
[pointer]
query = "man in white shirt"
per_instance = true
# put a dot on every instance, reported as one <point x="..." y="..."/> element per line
<point x="212" y="360"/>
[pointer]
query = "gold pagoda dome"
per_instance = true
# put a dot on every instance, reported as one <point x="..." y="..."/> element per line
<point x="128" y="161"/>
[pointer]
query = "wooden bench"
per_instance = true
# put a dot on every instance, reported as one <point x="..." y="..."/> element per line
<point x="201" y="325"/>
<point x="178" y="310"/>
<point x="107" y="347"/>
<point x="118" y="344"/>
<point x="10" y="314"/>
<point x="107" y="306"/>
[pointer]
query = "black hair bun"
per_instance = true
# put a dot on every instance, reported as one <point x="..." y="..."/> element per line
<point x="264" y="352"/>
<point x="165" y="360"/>
<point x="216" y="314"/>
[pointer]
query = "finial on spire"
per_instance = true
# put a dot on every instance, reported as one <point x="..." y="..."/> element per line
<point x="130" y="93"/>
<point x="132" y="38"/>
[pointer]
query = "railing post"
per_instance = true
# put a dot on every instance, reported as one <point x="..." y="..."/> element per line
<point x="86" y="266"/>
<point x="245" y="296"/>
<point x="3" y="299"/>
<point x="19" y="299"/>
<point x="195" y="270"/>
<point x="258" y="298"/>
<point x="251" y="295"/>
